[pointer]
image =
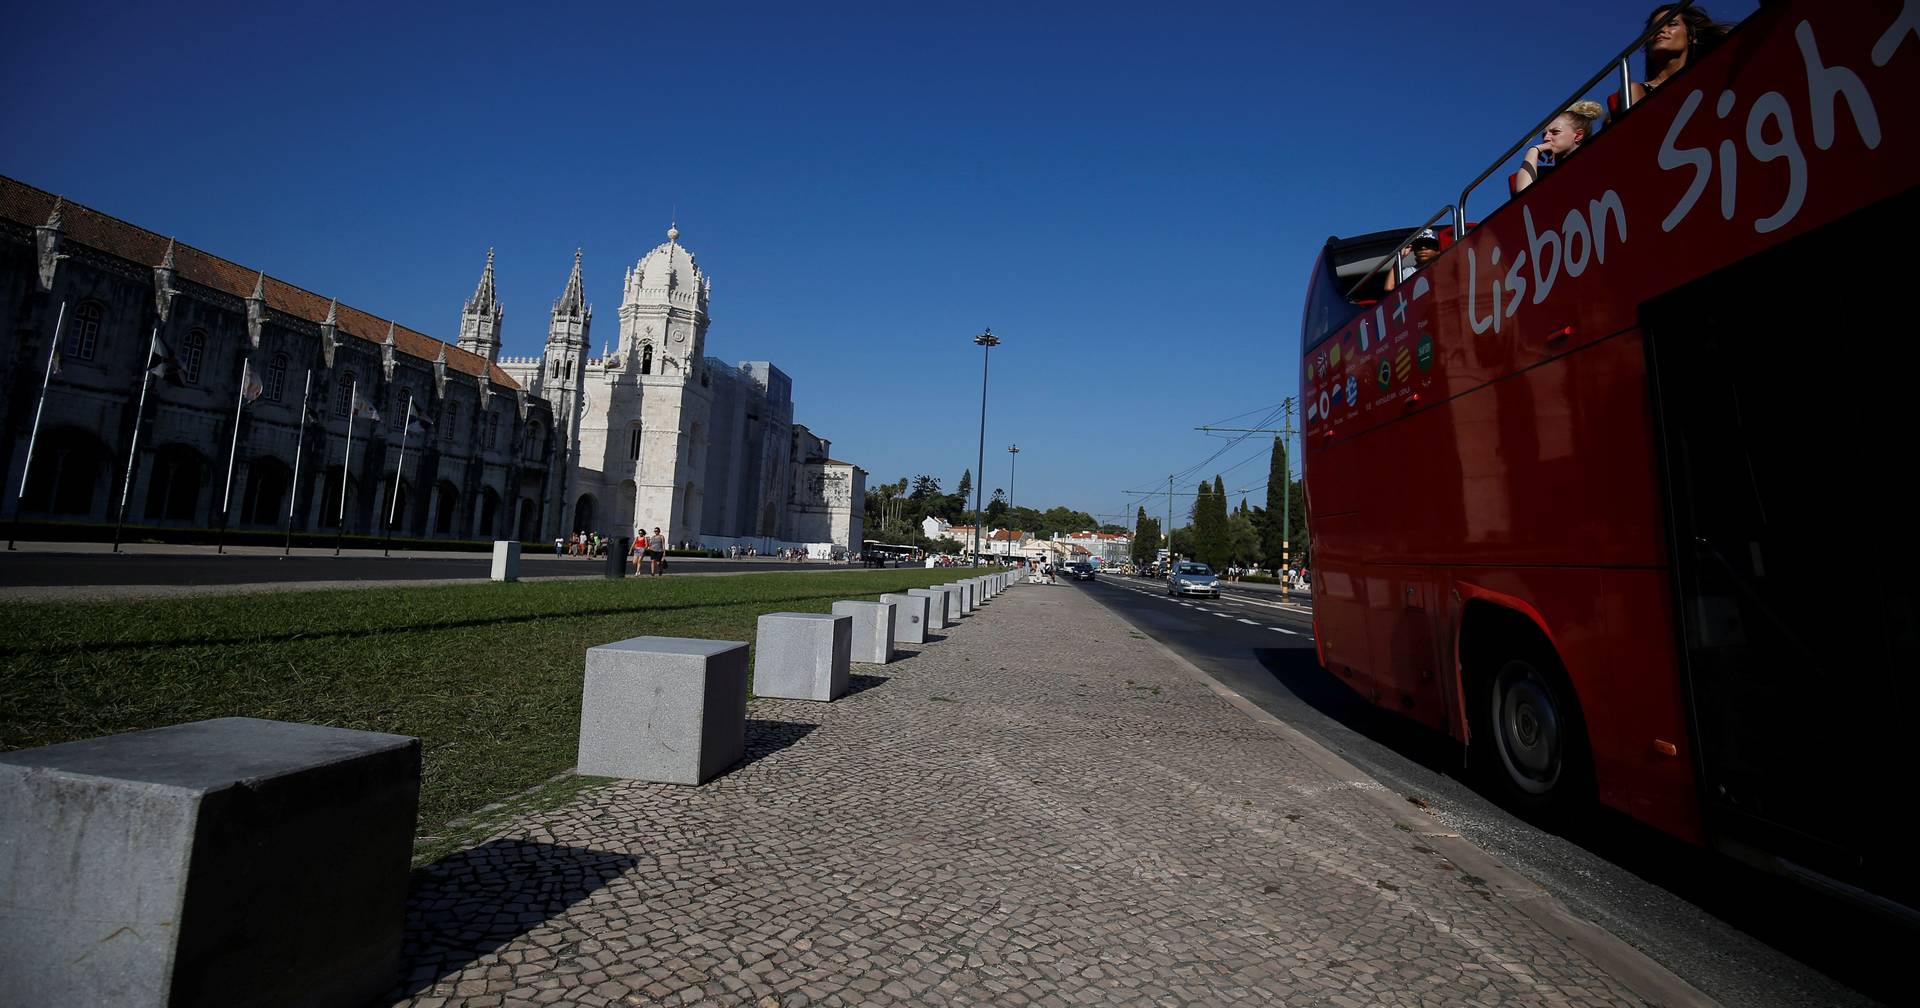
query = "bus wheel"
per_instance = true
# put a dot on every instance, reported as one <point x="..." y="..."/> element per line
<point x="1537" y="733"/>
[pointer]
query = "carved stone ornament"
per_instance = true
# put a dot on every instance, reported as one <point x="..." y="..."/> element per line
<point x="330" y="333"/>
<point x="256" y="310"/>
<point x="520" y="396"/>
<point x="46" y="241"/>
<point x="386" y="354"/>
<point x="440" y="374"/>
<point x="486" y="391"/>
<point x="163" y="291"/>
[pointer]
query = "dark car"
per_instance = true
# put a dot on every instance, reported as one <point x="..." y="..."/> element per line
<point x="1080" y="571"/>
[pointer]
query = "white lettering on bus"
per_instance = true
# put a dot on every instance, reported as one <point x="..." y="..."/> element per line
<point x="1582" y="238"/>
<point x="1826" y="85"/>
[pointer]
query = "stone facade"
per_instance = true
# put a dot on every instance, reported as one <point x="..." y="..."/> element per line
<point x="658" y="434"/>
<point x="481" y="470"/>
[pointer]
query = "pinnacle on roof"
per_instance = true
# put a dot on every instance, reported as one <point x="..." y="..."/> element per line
<point x="483" y="301"/>
<point x="573" y="301"/>
<point x="673" y="231"/>
<point x="53" y="219"/>
<point x="166" y="261"/>
<point x="260" y="286"/>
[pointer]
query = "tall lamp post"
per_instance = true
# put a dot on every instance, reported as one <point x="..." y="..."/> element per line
<point x="1013" y="460"/>
<point x="986" y="341"/>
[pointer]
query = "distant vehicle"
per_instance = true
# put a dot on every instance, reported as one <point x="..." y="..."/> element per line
<point x="1080" y="571"/>
<point x="1193" y="579"/>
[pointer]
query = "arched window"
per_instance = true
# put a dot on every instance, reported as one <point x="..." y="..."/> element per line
<point x="536" y="440"/>
<point x="83" y="330"/>
<point x="633" y="443"/>
<point x="343" y="395"/>
<point x="646" y="358"/>
<point x="192" y="353"/>
<point x="402" y="407"/>
<point x="452" y="420"/>
<point x="556" y="370"/>
<point x="493" y="431"/>
<point x="276" y="383"/>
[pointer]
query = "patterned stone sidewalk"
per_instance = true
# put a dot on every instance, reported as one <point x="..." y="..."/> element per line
<point x="1040" y="809"/>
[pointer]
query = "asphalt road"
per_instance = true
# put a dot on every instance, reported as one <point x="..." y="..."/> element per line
<point x="47" y="569"/>
<point x="1739" y="935"/>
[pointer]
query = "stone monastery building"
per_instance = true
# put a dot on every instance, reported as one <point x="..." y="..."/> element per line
<point x="651" y="431"/>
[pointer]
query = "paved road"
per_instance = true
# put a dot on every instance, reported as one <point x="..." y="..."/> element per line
<point x="49" y="569"/>
<point x="1741" y="936"/>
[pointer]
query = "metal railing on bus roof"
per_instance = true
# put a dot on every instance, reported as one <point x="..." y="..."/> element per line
<point x="1626" y="101"/>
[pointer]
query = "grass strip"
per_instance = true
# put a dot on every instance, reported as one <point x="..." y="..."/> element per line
<point x="486" y="675"/>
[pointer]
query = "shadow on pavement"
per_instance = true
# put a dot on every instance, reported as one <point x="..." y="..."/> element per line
<point x="862" y="683"/>
<point x="467" y="905"/>
<point x="764" y="738"/>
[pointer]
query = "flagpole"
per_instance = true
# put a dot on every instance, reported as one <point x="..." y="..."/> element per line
<point x="353" y="399"/>
<point x="393" y="499"/>
<point x="233" y="449"/>
<point x="34" y="435"/>
<point x="133" y="448"/>
<point x="293" y="489"/>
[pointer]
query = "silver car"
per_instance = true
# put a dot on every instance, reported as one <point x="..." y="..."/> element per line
<point x="1193" y="579"/>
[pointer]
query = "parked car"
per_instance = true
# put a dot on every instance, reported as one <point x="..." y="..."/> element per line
<point x="1080" y="571"/>
<point x="1193" y="579"/>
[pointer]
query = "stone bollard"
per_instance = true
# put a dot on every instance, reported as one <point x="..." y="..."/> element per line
<point x="936" y="606"/>
<point x="231" y="861"/>
<point x="672" y="710"/>
<point x="506" y="560"/>
<point x="872" y="630"/>
<point x="802" y="656"/>
<point x="909" y="618"/>
<point x="952" y="595"/>
<point x="966" y="597"/>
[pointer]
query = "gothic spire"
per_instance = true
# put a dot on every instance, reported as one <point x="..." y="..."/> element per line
<point x="483" y="301"/>
<point x="573" y="301"/>
<point x="54" y="221"/>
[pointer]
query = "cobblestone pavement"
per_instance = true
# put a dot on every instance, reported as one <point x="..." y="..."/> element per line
<point x="1040" y="809"/>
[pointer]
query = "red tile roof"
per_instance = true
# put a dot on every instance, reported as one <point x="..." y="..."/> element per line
<point x="24" y="204"/>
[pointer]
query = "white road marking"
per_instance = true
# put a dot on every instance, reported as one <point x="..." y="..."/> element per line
<point x="1249" y="622"/>
<point x="1284" y="630"/>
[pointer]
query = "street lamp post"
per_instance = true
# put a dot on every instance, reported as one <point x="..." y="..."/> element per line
<point x="1013" y="459"/>
<point x="986" y="341"/>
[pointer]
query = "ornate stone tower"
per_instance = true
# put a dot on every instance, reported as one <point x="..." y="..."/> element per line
<point x="480" y="319"/>
<point x="663" y="340"/>
<point x="562" y="378"/>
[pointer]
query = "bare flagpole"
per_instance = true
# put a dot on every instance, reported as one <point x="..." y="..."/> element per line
<point x="33" y="435"/>
<point x="346" y="462"/>
<point x="233" y="449"/>
<point x="133" y="448"/>
<point x="393" y="498"/>
<point x="293" y="489"/>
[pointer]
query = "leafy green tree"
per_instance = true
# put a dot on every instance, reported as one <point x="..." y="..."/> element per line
<point x="1243" y="539"/>
<point x="997" y="508"/>
<point x="926" y="490"/>
<point x="1146" y="538"/>
<point x="1183" y="542"/>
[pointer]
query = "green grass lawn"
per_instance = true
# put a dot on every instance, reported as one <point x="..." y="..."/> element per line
<point x="486" y="675"/>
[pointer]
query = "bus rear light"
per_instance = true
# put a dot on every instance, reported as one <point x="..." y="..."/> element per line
<point x="1665" y="748"/>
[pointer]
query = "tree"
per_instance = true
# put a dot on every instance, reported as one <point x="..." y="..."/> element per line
<point x="997" y="506"/>
<point x="1223" y="537"/>
<point x="1146" y="538"/>
<point x="926" y="490"/>
<point x="1278" y="484"/>
<point x="1182" y="542"/>
<point x="1243" y="539"/>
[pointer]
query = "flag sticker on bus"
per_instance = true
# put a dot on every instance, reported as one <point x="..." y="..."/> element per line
<point x="1326" y="404"/>
<point x="1425" y="350"/>
<point x="1353" y="390"/>
<point x="1403" y="364"/>
<point x="1384" y="375"/>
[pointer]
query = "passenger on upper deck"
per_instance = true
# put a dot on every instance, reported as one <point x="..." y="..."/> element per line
<point x="1423" y="249"/>
<point x="1676" y="46"/>
<point x="1559" y="140"/>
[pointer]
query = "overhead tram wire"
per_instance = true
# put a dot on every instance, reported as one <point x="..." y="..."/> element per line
<point x="1268" y="415"/>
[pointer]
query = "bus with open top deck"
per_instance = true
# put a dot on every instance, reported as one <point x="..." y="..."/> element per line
<point x="1613" y="490"/>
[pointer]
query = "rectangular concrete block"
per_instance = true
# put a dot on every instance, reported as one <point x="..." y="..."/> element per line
<point x="872" y="630"/>
<point x="909" y="617"/>
<point x="982" y="591"/>
<point x="955" y="603"/>
<point x="802" y="656"/>
<point x="936" y="606"/>
<point x="966" y="597"/>
<point x="506" y="560"/>
<point x="666" y="709"/>
<point x="231" y="861"/>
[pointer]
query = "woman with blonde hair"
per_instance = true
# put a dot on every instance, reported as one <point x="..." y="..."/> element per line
<point x="1562" y="137"/>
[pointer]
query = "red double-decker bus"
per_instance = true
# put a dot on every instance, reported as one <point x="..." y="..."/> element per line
<point x="1614" y="490"/>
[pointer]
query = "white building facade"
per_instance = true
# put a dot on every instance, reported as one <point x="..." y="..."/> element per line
<point x="655" y="434"/>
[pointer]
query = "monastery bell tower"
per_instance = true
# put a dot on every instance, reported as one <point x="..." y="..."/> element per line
<point x="663" y="340"/>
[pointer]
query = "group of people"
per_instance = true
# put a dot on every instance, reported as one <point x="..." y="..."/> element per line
<point x="650" y="548"/>
<point x="581" y="544"/>
<point x="1679" y="42"/>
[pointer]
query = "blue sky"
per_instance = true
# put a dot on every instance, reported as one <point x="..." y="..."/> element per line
<point x="1131" y="197"/>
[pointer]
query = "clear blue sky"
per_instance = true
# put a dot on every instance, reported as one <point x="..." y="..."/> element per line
<point x="1130" y="197"/>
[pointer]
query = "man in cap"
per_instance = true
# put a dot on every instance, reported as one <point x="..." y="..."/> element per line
<point x="1423" y="249"/>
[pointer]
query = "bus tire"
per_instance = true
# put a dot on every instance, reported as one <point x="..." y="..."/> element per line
<point x="1536" y="740"/>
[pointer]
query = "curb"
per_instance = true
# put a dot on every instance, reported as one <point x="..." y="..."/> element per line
<point x="1654" y="983"/>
